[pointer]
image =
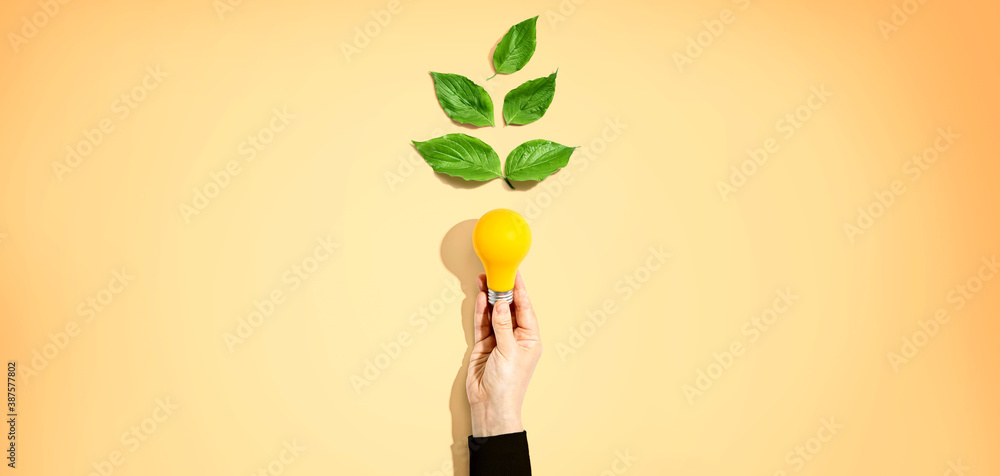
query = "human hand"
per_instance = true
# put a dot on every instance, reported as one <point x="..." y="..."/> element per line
<point x="507" y="348"/>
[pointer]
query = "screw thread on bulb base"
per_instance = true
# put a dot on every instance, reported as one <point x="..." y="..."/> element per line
<point x="494" y="296"/>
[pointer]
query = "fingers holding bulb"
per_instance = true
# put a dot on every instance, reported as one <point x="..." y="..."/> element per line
<point x="525" y="312"/>
<point x="481" y="317"/>
<point x="503" y="328"/>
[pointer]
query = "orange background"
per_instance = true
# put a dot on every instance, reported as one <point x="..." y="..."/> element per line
<point x="342" y="169"/>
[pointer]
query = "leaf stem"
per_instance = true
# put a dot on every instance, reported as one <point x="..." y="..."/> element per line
<point x="508" y="183"/>
<point x="494" y="75"/>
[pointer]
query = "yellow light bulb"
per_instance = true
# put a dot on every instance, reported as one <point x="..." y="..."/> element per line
<point x="501" y="239"/>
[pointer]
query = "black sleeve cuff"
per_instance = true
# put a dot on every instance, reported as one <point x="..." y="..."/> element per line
<point x="500" y="455"/>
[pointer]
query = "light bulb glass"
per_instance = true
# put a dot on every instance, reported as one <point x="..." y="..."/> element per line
<point x="501" y="239"/>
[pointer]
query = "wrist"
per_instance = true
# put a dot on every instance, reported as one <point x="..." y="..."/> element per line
<point x="492" y="420"/>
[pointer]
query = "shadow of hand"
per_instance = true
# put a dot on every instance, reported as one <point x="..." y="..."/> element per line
<point x="461" y="260"/>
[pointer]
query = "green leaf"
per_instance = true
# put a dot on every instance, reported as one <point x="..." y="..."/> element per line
<point x="462" y="156"/>
<point x="536" y="159"/>
<point x="529" y="101"/>
<point x="515" y="48"/>
<point x="462" y="100"/>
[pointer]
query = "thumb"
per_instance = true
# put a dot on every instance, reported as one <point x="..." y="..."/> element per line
<point x="503" y="328"/>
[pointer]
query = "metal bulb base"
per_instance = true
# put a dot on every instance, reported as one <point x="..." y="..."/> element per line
<point x="494" y="296"/>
